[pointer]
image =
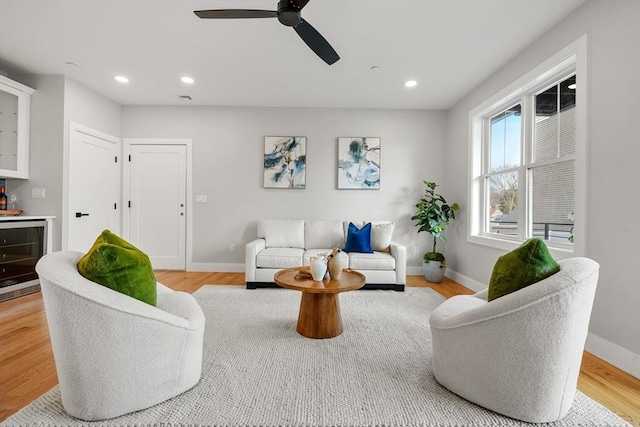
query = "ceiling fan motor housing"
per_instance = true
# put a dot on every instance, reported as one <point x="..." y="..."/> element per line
<point x="288" y="13"/>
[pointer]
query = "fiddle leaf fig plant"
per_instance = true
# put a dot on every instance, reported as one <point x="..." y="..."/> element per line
<point x="433" y="215"/>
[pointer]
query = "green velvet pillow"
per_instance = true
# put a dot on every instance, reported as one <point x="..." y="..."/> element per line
<point x="117" y="264"/>
<point x="523" y="266"/>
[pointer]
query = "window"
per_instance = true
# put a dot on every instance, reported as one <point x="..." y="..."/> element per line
<point x="528" y="168"/>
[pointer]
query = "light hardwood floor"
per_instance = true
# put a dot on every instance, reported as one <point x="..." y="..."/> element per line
<point x="27" y="369"/>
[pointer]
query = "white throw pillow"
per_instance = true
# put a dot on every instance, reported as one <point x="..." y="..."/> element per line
<point x="381" y="235"/>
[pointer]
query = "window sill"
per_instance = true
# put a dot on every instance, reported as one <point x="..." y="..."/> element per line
<point x="510" y="244"/>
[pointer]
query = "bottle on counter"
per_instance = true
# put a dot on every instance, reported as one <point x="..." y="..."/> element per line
<point x="3" y="200"/>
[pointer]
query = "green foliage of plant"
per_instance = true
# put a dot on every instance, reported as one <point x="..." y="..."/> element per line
<point x="433" y="256"/>
<point x="433" y="215"/>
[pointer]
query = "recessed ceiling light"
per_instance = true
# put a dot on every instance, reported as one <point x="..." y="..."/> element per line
<point x="122" y="79"/>
<point x="572" y="86"/>
<point x="187" y="79"/>
<point x="411" y="83"/>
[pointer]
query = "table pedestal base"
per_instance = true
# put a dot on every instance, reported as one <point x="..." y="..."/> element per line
<point x="319" y="315"/>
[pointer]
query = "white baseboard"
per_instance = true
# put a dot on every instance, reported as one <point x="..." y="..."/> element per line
<point x="612" y="353"/>
<point x="414" y="271"/>
<point x="215" y="266"/>
<point x="467" y="281"/>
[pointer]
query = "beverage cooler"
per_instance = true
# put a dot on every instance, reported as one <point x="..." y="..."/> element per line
<point x="22" y="243"/>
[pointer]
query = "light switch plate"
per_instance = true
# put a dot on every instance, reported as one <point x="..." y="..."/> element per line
<point x="38" y="192"/>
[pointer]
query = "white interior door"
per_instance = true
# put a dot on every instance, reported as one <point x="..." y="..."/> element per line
<point x="94" y="186"/>
<point x="158" y="196"/>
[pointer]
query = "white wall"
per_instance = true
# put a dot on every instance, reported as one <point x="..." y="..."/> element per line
<point x="613" y="227"/>
<point x="89" y="108"/>
<point x="228" y="147"/>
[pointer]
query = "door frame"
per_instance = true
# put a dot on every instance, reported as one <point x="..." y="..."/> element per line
<point x="66" y="167"/>
<point x="126" y="173"/>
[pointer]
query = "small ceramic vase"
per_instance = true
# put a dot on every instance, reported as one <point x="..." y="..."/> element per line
<point x="318" y="267"/>
<point x="335" y="265"/>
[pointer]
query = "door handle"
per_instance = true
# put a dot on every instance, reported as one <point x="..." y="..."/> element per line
<point x="78" y="214"/>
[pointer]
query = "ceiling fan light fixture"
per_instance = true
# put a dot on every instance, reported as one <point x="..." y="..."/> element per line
<point x="188" y="80"/>
<point x="410" y="83"/>
<point x="288" y="13"/>
<point x="121" y="79"/>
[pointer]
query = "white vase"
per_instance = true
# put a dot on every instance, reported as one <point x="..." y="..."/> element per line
<point x="318" y="267"/>
<point x="433" y="271"/>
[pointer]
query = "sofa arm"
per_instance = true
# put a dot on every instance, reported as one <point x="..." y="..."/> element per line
<point x="399" y="252"/>
<point x="251" y="250"/>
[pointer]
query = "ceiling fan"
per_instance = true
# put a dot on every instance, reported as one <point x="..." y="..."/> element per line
<point x="288" y="14"/>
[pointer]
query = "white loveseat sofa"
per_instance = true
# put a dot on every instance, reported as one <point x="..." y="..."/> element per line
<point x="291" y="243"/>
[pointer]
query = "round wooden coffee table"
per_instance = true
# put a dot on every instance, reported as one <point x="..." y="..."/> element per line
<point x="319" y="315"/>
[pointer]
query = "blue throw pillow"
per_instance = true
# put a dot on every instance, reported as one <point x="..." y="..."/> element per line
<point x="358" y="240"/>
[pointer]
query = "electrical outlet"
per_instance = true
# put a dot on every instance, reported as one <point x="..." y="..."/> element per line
<point x="38" y="192"/>
<point x="201" y="198"/>
<point x="232" y="248"/>
<point x="415" y="250"/>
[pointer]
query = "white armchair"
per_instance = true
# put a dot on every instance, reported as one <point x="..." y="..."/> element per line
<point x="520" y="354"/>
<point x="113" y="353"/>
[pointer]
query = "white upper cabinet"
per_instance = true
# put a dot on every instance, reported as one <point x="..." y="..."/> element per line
<point x="15" y="101"/>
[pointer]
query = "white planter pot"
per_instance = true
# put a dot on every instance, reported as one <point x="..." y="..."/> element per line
<point x="433" y="271"/>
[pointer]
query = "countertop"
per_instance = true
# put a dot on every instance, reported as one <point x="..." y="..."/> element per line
<point x="26" y="218"/>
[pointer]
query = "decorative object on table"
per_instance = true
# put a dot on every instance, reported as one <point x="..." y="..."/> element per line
<point x="318" y="267"/>
<point x="432" y="216"/>
<point x="3" y="200"/>
<point x="359" y="163"/>
<point x="13" y="200"/>
<point x="285" y="161"/>
<point x="336" y="263"/>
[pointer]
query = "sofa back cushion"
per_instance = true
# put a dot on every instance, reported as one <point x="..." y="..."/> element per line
<point x="323" y="234"/>
<point x="282" y="233"/>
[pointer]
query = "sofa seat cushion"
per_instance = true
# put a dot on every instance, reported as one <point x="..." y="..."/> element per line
<point x="279" y="258"/>
<point x="374" y="261"/>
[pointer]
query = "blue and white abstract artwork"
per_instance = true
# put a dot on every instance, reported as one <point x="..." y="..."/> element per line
<point x="359" y="163"/>
<point x="285" y="161"/>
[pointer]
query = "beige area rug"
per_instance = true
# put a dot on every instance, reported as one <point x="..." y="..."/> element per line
<point x="258" y="371"/>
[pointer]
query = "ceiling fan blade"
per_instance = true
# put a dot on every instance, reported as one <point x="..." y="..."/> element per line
<point x="316" y="42"/>
<point x="300" y="3"/>
<point x="235" y="14"/>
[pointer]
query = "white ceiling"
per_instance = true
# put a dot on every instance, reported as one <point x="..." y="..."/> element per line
<point x="449" y="46"/>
